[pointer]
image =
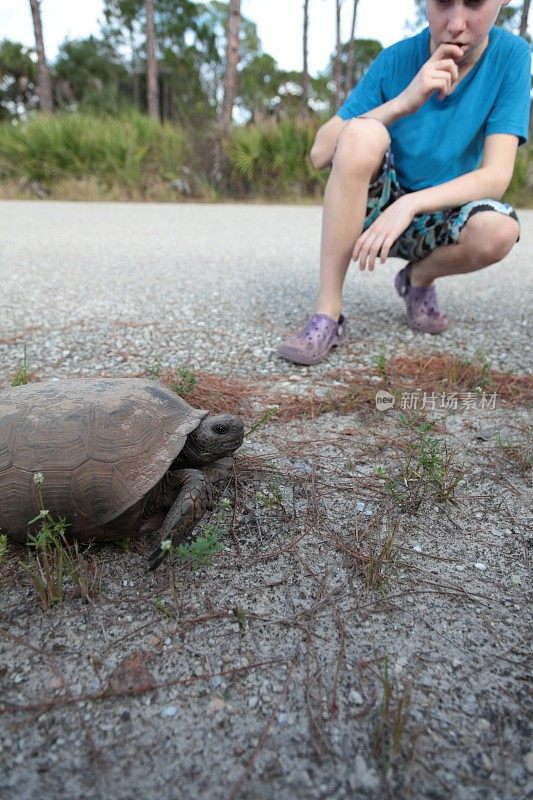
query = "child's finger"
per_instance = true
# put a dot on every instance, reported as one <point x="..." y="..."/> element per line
<point x="448" y="66"/>
<point x="359" y="246"/>
<point x="447" y="51"/>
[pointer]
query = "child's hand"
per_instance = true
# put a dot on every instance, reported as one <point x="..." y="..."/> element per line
<point x="439" y="74"/>
<point x="377" y="241"/>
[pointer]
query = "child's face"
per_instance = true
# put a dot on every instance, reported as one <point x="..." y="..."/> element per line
<point x="463" y="22"/>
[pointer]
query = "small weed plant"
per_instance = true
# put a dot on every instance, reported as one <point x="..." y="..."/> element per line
<point x="162" y="608"/>
<point x="154" y="370"/>
<point x="3" y="547"/>
<point x="265" y="418"/>
<point x="390" y="726"/>
<point x="378" y="561"/>
<point x="485" y="377"/>
<point x="21" y="378"/>
<point x="186" y="383"/>
<point x="381" y="362"/>
<point x="475" y="374"/>
<point x="272" y="497"/>
<point x="427" y="470"/>
<point x="519" y="452"/>
<point x="201" y="551"/>
<point x="56" y="560"/>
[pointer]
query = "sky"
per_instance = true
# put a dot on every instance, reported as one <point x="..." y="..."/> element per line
<point x="279" y="24"/>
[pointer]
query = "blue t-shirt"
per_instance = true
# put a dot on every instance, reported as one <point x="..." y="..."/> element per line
<point x="445" y="138"/>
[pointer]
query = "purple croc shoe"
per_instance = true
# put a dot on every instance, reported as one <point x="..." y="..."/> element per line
<point x="423" y="312"/>
<point x="312" y="343"/>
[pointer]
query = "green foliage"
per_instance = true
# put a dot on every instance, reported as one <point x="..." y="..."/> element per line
<point x="520" y="191"/>
<point x="3" y="547"/>
<point x="200" y="552"/>
<point x="273" y="159"/>
<point x="381" y="362"/>
<point x="56" y="559"/>
<point x="259" y="85"/>
<point x="18" y="74"/>
<point x="263" y="420"/>
<point x="90" y="76"/>
<point x="272" y="497"/>
<point x="21" y="378"/>
<point x="190" y="45"/>
<point x="128" y="150"/>
<point x="390" y="727"/>
<point x="365" y="52"/>
<point x="427" y="470"/>
<point x="519" y="450"/>
<point x="187" y="382"/>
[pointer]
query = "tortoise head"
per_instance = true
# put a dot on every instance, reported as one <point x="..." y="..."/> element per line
<point x="215" y="437"/>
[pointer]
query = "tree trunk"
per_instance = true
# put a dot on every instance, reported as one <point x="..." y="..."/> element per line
<point x="44" y="83"/>
<point x="305" y="76"/>
<point x="151" y="63"/>
<point x="348" y="78"/>
<point x="523" y="18"/>
<point x="232" y="60"/>
<point x="338" y="66"/>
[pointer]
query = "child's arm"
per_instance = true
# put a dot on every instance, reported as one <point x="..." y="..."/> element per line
<point x="439" y="74"/>
<point x="490" y="180"/>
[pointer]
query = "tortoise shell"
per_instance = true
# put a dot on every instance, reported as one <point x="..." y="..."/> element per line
<point x="100" y="445"/>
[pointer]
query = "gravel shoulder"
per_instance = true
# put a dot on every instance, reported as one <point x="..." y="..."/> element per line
<point x="366" y="629"/>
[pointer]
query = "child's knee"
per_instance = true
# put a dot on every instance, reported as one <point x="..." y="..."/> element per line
<point x="362" y="145"/>
<point x="491" y="236"/>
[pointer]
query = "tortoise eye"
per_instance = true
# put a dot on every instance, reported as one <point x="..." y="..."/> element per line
<point x="220" y="428"/>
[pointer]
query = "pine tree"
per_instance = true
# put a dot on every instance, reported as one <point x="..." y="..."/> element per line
<point x="151" y="62"/>
<point x="305" y="74"/>
<point x="44" y="82"/>
<point x="232" y="61"/>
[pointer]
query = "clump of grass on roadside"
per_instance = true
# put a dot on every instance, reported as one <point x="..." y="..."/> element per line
<point x="379" y="558"/>
<point x="3" y="547"/>
<point x="201" y="551"/>
<point x="381" y="362"/>
<point x="271" y="159"/>
<point x="185" y="383"/>
<point x="272" y="496"/>
<point x="519" y="193"/>
<point x="56" y="560"/>
<point x="428" y="468"/>
<point x="519" y="450"/>
<point x="21" y="378"/>
<point x="129" y="150"/>
<point x="390" y="727"/>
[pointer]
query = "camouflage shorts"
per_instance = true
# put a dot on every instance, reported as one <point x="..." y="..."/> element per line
<point x="427" y="231"/>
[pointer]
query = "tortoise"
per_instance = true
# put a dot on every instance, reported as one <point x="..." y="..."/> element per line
<point x="118" y="457"/>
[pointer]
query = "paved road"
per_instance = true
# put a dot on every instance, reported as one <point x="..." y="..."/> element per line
<point x="119" y="287"/>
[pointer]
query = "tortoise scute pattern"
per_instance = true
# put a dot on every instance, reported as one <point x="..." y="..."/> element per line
<point x="100" y="445"/>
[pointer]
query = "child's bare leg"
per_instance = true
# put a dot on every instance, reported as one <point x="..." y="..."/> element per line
<point x="360" y="151"/>
<point x="486" y="238"/>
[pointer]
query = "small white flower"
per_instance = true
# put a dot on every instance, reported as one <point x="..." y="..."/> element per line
<point x="225" y="502"/>
<point x="38" y="478"/>
<point x="166" y="544"/>
<point x="43" y="513"/>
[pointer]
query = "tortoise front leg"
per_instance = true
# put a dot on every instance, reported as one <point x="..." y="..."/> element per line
<point x="195" y="498"/>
